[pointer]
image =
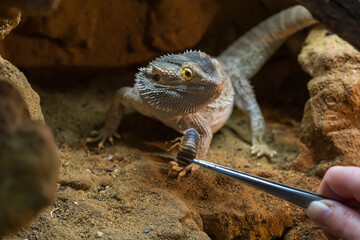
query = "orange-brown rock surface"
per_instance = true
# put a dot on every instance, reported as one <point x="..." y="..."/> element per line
<point x="115" y="33"/>
<point x="42" y="7"/>
<point x="13" y="75"/>
<point x="110" y="33"/>
<point x="8" y="24"/>
<point x="330" y="128"/>
<point x="28" y="162"/>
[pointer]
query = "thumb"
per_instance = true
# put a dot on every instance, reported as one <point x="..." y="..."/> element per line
<point x="335" y="219"/>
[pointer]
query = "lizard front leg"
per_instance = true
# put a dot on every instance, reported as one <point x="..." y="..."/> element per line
<point x="199" y="123"/>
<point x="246" y="101"/>
<point x="123" y="97"/>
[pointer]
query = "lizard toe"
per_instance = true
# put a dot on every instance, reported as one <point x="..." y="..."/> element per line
<point x="116" y="135"/>
<point x="100" y="146"/>
<point x="93" y="139"/>
<point x="94" y="132"/>
<point x="260" y="150"/>
<point x="111" y="140"/>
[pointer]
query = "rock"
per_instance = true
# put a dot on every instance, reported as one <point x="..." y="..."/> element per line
<point x="13" y="75"/>
<point x="330" y="127"/>
<point x="78" y="182"/>
<point x="8" y="24"/>
<point x="118" y="33"/>
<point x="88" y="33"/>
<point x="177" y="35"/>
<point x="30" y="7"/>
<point x="105" y="180"/>
<point x="28" y="163"/>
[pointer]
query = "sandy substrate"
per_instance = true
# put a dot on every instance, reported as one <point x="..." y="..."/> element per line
<point x="125" y="192"/>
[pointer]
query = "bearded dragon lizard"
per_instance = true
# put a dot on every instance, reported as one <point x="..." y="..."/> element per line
<point x="194" y="90"/>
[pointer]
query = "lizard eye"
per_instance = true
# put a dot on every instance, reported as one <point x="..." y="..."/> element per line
<point x="187" y="73"/>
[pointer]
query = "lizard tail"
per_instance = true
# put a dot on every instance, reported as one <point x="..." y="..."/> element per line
<point x="248" y="54"/>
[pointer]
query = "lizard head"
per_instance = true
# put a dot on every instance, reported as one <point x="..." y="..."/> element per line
<point x="182" y="82"/>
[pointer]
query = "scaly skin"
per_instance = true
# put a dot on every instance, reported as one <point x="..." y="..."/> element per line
<point x="204" y="101"/>
<point x="244" y="58"/>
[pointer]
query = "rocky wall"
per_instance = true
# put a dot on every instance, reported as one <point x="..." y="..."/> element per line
<point x="113" y="33"/>
<point x="330" y="126"/>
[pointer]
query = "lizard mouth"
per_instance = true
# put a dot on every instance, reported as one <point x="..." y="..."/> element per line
<point x="198" y="90"/>
<point x="219" y="89"/>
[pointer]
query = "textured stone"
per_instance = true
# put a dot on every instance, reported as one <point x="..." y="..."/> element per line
<point x="109" y="33"/>
<point x="330" y="127"/>
<point x="14" y="76"/>
<point x="8" y="24"/>
<point x="28" y="163"/>
<point x="113" y="33"/>
<point x="78" y="182"/>
<point x="42" y="7"/>
<point x="11" y="74"/>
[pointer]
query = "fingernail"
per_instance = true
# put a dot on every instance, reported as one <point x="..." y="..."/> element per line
<point x="319" y="212"/>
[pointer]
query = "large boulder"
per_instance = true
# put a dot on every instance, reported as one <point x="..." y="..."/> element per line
<point x="28" y="162"/>
<point x="330" y="127"/>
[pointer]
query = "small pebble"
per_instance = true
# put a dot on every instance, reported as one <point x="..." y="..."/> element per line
<point x="76" y="203"/>
<point x="100" y="234"/>
<point x="146" y="230"/>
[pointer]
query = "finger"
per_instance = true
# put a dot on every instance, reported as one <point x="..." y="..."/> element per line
<point x="91" y="140"/>
<point x="94" y="132"/>
<point x="341" y="183"/>
<point x="330" y="236"/>
<point x="336" y="219"/>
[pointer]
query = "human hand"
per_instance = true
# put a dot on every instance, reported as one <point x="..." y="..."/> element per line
<point x="336" y="219"/>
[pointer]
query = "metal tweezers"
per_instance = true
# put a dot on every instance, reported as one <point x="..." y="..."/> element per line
<point x="294" y="195"/>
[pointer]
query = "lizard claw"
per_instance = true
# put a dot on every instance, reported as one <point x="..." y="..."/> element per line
<point x="262" y="149"/>
<point x="102" y="135"/>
